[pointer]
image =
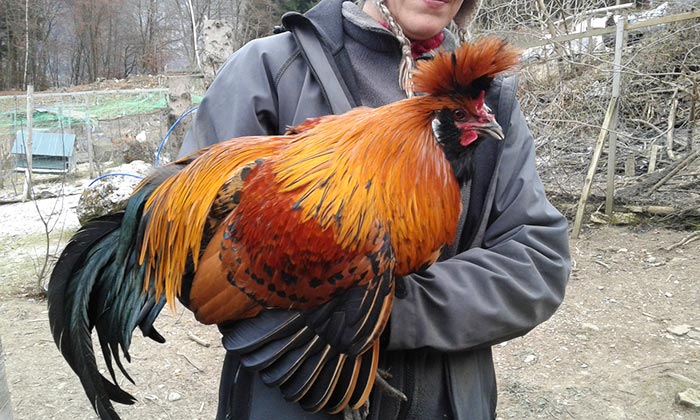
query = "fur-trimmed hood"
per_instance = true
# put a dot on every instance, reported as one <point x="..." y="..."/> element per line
<point x="467" y="12"/>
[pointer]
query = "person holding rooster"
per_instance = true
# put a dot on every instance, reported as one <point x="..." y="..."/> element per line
<point x="507" y="269"/>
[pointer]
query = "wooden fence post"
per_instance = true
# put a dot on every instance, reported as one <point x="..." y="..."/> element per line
<point x="671" y="124"/>
<point x="612" y="109"/>
<point x="652" y="158"/>
<point x="691" y="119"/>
<point x="27" y="193"/>
<point x="612" y="139"/>
<point x="88" y="132"/>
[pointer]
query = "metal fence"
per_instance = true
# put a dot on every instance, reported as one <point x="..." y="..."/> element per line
<point x="110" y="126"/>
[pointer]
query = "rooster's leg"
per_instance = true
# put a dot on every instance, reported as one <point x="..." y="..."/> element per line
<point x="361" y="413"/>
<point x="386" y="388"/>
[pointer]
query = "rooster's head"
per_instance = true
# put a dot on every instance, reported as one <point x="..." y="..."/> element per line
<point x="454" y="85"/>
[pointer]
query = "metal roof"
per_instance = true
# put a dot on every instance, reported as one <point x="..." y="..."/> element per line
<point x="45" y="144"/>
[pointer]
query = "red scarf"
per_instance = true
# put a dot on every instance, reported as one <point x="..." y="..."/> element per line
<point x="418" y="48"/>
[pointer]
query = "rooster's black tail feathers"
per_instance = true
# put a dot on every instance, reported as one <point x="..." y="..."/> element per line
<point x="98" y="283"/>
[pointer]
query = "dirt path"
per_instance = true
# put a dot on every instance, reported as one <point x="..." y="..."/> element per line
<point x="607" y="353"/>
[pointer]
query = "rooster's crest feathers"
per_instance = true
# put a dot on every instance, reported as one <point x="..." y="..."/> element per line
<point x="468" y="70"/>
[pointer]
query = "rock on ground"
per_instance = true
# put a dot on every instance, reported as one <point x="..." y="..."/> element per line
<point x="110" y="193"/>
<point x="690" y="398"/>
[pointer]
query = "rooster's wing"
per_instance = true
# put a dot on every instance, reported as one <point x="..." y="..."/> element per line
<point x="292" y="303"/>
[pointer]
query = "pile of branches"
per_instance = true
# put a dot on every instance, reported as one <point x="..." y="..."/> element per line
<point x="565" y="100"/>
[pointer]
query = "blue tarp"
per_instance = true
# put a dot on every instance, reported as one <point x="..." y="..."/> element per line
<point x="45" y="144"/>
<point x="51" y="152"/>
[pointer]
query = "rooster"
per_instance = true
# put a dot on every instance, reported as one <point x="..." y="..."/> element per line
<point x="291" y="242"/>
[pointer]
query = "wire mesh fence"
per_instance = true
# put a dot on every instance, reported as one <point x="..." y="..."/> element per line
<point x="110" y="127"/>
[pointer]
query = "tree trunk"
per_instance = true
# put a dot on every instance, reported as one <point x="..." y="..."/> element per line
<point x="5" y="403"/>
<point x="26" y="45"/>
<point x="190" y="7"/>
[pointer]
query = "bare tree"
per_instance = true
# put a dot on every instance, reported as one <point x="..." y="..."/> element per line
<point x="52" y="43"/>
<point x="24" y="29"/>
<point x="89" y="16"/>
<point x="11" y="54"/>
<point x="26" y="38"/>
<point x="152" y="59"/>
<point x="190" y="8"/>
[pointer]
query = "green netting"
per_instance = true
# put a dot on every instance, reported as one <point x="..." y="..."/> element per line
<point x="61" y="112"/>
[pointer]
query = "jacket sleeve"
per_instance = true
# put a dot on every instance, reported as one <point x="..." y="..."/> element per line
<point x="242" y="101"/>
<point x="502" y="290"/>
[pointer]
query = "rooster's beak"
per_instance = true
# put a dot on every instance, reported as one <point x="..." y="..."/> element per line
<point x="491" y="130"/>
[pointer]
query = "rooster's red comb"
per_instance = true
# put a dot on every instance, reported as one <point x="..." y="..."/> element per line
<point x="468" y="70"/>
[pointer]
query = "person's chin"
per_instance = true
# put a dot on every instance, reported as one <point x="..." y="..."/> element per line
<point x="425" y="31"/>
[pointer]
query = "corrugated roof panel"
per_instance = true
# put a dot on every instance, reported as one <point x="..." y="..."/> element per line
<point x="45" y="144"/>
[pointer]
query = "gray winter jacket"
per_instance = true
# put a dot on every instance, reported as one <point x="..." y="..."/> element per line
<point x="505" y="274"/>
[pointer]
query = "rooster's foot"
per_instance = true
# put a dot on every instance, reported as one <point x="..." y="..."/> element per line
<point x="386" y="388"/>
<point x="361" y="413"/>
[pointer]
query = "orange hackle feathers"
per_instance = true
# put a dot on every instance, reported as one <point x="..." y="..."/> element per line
<point x="338" y="187"/>
<point x="450" y="73"/>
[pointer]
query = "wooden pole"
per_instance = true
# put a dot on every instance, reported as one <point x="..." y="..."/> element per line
<point x="652" y="158"/>
<point x="60" y="114"/>
<point x="691" y="118"/>
<point x="5" y="402"/>
<point x="589" y="22"/>
<point x="27" y="193"/>
<point x="612" y="140"/>
<point x="70" y="119"/>
<point x="612" y="109"/>
<point x="685" y="162"/>
<point x="194" y="35"/>
<point x="630" y="166"/>
<point x="671" y="124"/>
<point x="88" y="132"/>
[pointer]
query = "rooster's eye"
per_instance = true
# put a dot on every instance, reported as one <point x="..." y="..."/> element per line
<point x="459" y="114"/>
